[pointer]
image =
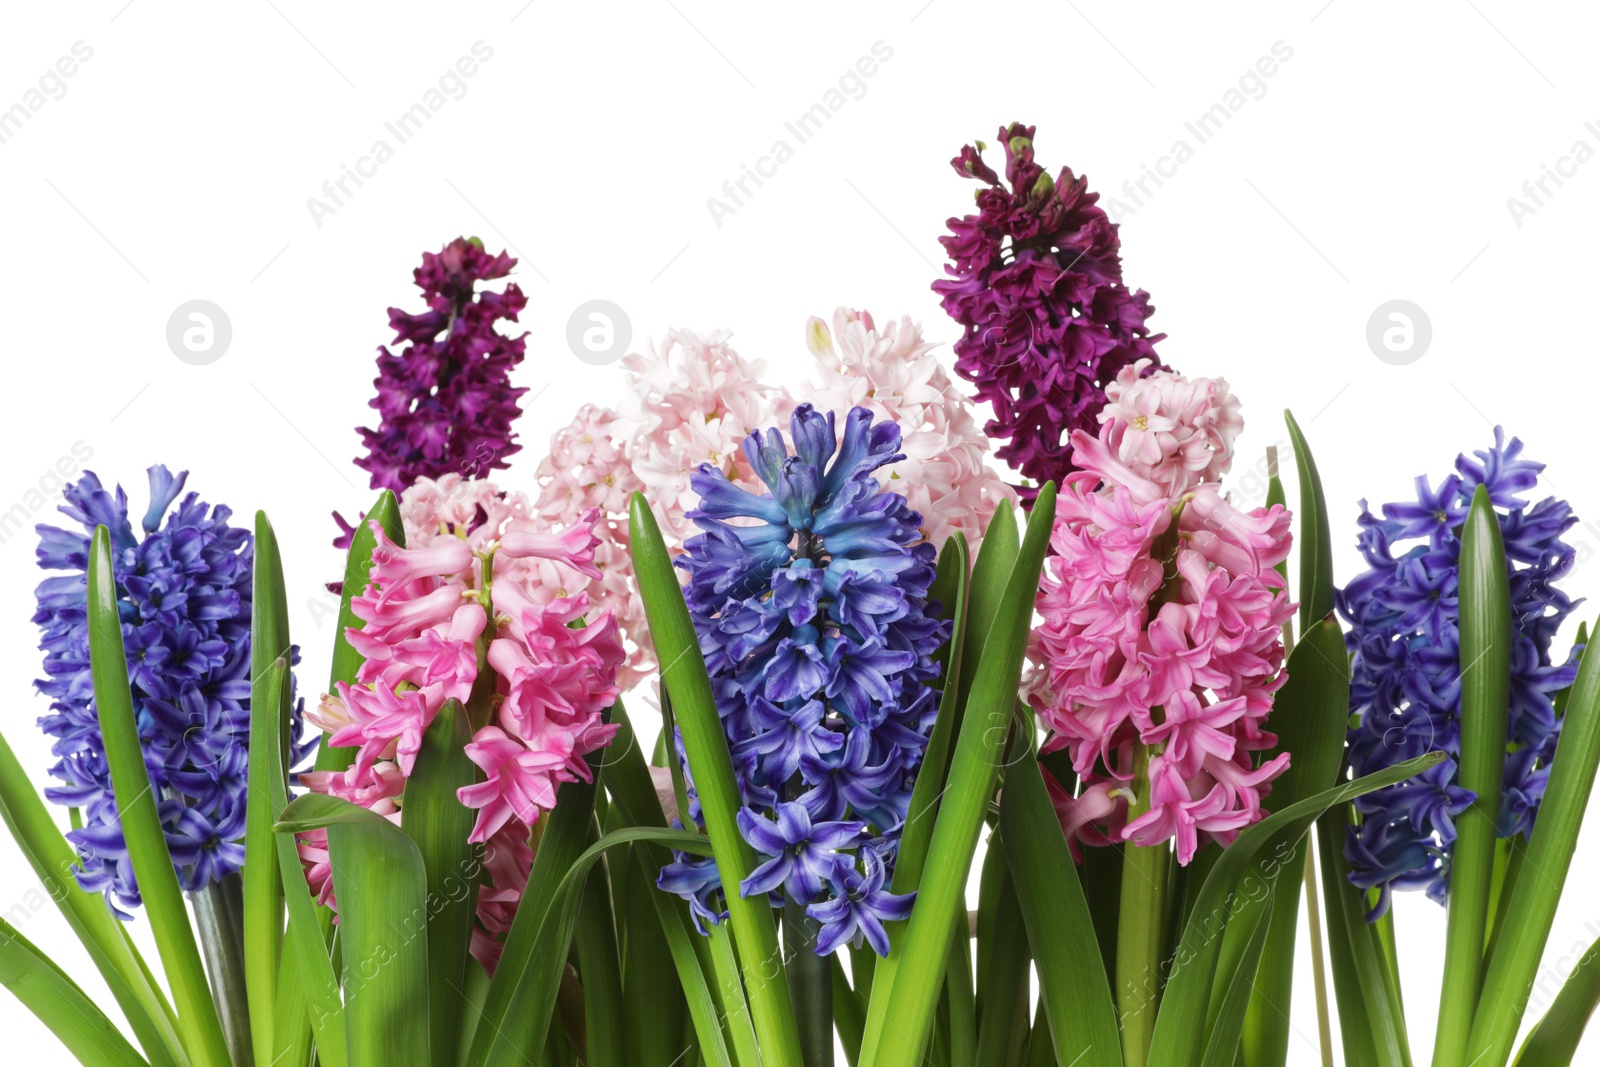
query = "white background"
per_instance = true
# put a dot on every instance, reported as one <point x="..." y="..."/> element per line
<point x="178" y="163"/>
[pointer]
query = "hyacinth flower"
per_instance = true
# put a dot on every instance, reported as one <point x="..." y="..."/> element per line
<point x="183" y="584"/>
<point x="819" y="639"/>
<point x="894" y="373"/>
<point x="1036" y="285"/>
<point x="693" y="399"/>
<point x="444" y="394"/>
<point x="1405" y="691"/>
<point x="468" y="612"/>
<point x="1160" y="647"/>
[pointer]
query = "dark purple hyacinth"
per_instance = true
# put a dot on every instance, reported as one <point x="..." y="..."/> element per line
<point x="1036" y="283"/>
<point x="446" y="401"/>
<point x="183" y="592"/>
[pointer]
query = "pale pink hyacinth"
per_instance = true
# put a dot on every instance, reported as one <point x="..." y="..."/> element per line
<point x="892" y="371"/>
<point x="1173" y="430"/>
<point x="688" y="401"/>
<point x="587" y="468"/>
<point x="1162" y="618"/>
<point x="692" y="399"/>
<point x="476" y="588"/>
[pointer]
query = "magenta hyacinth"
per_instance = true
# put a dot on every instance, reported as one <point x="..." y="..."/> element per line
<point x="1036" y="283"/>
<point x="446" y="402"/>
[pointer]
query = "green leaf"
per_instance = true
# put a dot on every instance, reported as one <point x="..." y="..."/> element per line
<point x="537" y="992"/>
<point x="1356" y="1038"/>
<point x="1309" y="715"/>
<point x="506" y="1023"/>
<point x="306" y="960"/>
<point x="1486" y="634"/>
<point x="1532" y="909"/>
<point x="1316" y="544"/>
<point x="114" y="955"/>
<point x="1181" y="1030"/>
<point x="953" y="591"/>
<point x="1074" y="992"/>
<point x="357" y="569"/>
<point x="383" y="912"/>
<point x="683" y="675"/>
<point x="44" y="989"/>
<point x="263" y="891"/>
<point x="1223" y="1045"/>
<point x="1006" y="984"/>
<point x="136" y="801"/>
<point x="633" y="792"/>
<point x="440" y="825"/>
<point x="595" y="941"/>
<point x="1554" y="1039"/>
<point x="913" y="997"/>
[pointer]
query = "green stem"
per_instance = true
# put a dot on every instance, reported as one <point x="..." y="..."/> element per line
<point x="810" y="984"/>
<point x="1140" y="922"/>
<point x="219" y="919"/>
<point x="1318" y="968"/>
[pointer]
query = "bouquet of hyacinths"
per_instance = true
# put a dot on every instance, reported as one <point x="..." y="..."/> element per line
<point x="868" y="665"/>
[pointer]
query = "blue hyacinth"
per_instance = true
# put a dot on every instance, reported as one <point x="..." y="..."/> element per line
<point x="1405" y="686"/>
<point x="183" y="591"/>
<point x="817" y="632"/>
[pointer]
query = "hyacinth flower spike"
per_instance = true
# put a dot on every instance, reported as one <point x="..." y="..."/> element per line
<point x="1160" y="650"/>
<point x="810" y="600"/>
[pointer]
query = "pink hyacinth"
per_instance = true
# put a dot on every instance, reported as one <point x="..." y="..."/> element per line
<point x="1161" y="624"/>
<point x="892" y="372"/>
<point x="482" y="585"/>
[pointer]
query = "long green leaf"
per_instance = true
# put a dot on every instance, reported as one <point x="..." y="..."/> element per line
<point x="1181" y="1030"/>
<point x="44" y="989"/>
<point x="974" y="769"/>
<point x="1309" y="716"/>
<point x="440" y="825"/>
<point x="383" y="911"/>
<point x="595" y="944"/>
<point x="506" y="1023"/>
<point x="683" y="675"/>
<point x="1356" y="1035"/>
<point x="385" y="511"/>
<point x="1533" y="902"/>
<point x="1486" y="633"/>
<point x="1006" y="985"/>
<point x="52" y="858"/>
<point x="954" y="591"/>
<point x="633" y="793"/>
<point x="141" y="823"/>
<point x="540" y="983"/>
<point x="1316" y="545"/>
<point x="306" y="965"/>
<point x="1554" y="1039"/>
<point x="1222" y="1045"/>
<point x="1074" y="993"/>
<point x="263" y="891"/>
